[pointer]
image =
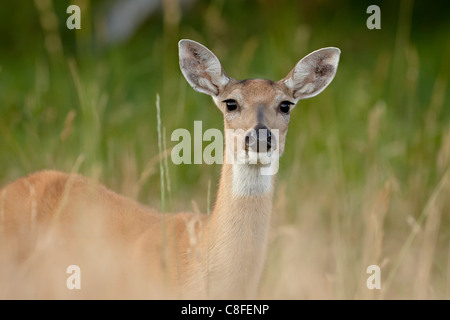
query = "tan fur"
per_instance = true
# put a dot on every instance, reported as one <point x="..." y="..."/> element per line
<point x="200" y="256"/>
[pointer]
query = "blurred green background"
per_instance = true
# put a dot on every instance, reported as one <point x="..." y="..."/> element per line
<point x="377" y="137"/>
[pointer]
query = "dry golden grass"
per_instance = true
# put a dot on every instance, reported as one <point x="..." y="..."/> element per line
<point x="321" y="253"/>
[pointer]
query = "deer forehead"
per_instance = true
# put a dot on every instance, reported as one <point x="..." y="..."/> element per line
<point x="255" y="92"/>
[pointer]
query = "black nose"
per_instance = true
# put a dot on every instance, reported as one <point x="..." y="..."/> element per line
<point x="258" y="139"/>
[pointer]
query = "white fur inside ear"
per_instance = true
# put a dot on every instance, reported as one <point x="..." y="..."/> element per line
<point x="248" y="181"/>
<point x="313" y="73"/>
<point x="201" y="68"/>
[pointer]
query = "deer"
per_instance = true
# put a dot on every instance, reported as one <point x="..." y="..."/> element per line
<point x="215" y="256"/>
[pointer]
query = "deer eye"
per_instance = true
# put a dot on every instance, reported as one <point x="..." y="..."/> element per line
<point x="285" y="106"/>
<point x="231" y="105"/>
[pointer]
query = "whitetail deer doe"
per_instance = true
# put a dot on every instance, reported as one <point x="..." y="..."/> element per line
<point x="220" y="256"/>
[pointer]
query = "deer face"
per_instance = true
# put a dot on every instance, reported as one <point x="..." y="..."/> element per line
<point x="256" y="112"/>
<point x="256" y="116"/>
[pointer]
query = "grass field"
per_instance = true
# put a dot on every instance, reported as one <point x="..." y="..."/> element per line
<point x="365" y="179"/>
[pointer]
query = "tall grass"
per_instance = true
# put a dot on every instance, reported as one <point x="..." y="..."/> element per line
<point x="364" y="177"/>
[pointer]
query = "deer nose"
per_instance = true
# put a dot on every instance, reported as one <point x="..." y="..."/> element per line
<point x="258" y="139"/>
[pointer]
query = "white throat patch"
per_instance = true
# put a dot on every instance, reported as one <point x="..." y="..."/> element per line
<point x="248" y="180"/>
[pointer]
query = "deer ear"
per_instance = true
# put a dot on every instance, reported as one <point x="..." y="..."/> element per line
<point x="201" y="68"/>
<point x="313" y="73"/>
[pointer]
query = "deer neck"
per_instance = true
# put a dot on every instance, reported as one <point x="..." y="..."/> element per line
<point x="239" y="229"/>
